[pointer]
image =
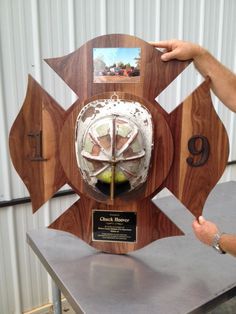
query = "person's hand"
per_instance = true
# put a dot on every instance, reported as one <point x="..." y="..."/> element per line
<point x="204" y="230"/>
<point x="178" y="49"/>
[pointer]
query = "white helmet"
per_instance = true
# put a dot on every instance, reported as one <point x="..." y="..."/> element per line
<point x="114" y="139"/>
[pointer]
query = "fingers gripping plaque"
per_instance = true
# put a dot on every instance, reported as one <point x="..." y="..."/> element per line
<point x="116" y="146"/>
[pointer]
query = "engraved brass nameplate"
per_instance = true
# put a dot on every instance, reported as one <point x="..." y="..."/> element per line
<point x="114" y="226"/>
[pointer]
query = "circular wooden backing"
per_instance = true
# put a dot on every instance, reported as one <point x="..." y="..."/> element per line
<point x="161" y="160"/>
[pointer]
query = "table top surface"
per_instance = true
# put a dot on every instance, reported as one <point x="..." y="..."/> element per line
<point x="171" y="275"/>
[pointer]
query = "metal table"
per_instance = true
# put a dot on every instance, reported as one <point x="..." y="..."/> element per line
<point x="172" y="275"/>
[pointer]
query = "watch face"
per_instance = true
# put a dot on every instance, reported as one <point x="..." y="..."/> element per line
<point x="218" y="249"/>
<point x="216" y="244"/>
<point x="114" y="144"/>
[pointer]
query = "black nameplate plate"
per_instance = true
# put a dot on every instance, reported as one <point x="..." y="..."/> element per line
<point x="114" y="226"/>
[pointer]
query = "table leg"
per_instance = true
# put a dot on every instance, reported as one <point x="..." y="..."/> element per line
<point x="56" y="299"/>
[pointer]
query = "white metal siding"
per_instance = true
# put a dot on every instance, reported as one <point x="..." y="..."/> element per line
<point x="32" y="30"/>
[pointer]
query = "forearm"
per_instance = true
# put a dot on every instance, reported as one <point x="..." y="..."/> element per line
<point x="228" y="243"/>
<point x="223" y="81"/>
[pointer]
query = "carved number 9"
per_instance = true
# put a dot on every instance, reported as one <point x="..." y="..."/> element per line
<point x="198" y="145"/>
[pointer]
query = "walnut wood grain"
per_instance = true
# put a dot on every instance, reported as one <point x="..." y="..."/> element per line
<point x="196" y="116"/>
<point x="39" y="114"/>
<point x="152" y="224"/>
<point x="76" y="69"/>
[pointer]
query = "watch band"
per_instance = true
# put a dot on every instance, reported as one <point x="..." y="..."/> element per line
<point x="216" y="245"/>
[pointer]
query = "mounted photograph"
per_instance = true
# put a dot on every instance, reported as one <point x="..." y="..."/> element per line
<point x="116" y="65"/>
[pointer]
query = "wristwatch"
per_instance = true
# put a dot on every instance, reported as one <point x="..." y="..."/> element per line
<point x="216" y="245"/>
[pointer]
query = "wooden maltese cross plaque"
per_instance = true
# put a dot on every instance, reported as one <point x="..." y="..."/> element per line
<point x="116" y="146"/>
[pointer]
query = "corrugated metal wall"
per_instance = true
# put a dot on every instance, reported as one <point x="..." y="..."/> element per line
<point x="32" y="30"/>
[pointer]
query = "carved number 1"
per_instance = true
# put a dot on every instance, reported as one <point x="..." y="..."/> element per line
<point x="38" y="146"/>
<point x="198" y="145"/>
